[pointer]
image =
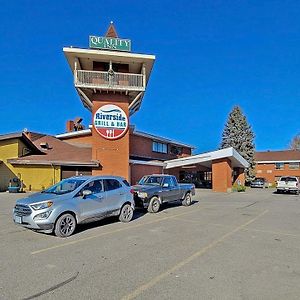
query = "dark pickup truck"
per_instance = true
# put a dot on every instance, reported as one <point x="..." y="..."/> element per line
<point x="154" y="190"/>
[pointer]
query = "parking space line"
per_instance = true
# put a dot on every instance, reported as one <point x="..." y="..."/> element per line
<point x="197" y="254"/>
<point x="113" y="231"/>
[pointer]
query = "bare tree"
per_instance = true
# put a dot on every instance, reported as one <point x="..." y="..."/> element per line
<point x="295" y="142"/>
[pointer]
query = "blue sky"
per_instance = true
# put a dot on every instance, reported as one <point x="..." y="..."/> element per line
<point x="210" y="56"/>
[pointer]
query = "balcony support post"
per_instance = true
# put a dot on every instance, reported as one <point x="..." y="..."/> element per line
<point x="144" y="75"/>
<point x="75" y="71"/>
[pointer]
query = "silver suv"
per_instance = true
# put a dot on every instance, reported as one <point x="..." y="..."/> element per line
<point x="73" y="201"/>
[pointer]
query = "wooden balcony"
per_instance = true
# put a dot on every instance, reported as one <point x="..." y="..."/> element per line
<point x="109" y="81"/>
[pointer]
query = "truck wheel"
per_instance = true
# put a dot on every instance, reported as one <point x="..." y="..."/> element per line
<point x="65" y="225"/>
<point x="154" y="205"/>
<point x="187" y="201"/>
<point x="126" y="213"/>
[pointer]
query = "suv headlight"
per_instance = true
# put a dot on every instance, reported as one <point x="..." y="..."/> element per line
<point x="41" y="205"/>
<point x="142" y="194"/>
<point x="43" y="215"/>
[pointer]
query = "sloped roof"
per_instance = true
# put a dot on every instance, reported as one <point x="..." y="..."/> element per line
<point x="58" y="153"/>
<point x="111" y="31"/>
<point x="24" y="138"/>
<point x="87" y="132"/>
<point x="277" y="156"/>
<point x="8" y="136"/>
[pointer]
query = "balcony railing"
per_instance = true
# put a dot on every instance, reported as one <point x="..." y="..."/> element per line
<point x="109" y="80"/>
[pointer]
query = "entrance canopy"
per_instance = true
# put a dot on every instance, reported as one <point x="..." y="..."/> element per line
<point x="226" y="166"/>
<point x="206" y="159"/>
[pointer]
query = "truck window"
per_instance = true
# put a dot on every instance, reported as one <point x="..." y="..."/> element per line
<point x="152" y="180"/>
<point x="169" y="181"/>
<point x="174" y="181"/>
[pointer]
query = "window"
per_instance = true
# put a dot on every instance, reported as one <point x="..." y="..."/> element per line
<point x="168" y="180"/>
<point x="65" y="186"/>
<point x="111" y="184"/>
<point x="294" y="165"/>
<point x="126" y="182"/>
<point x="175" y="150"/>
<point x="159" y="147"/>
<point x="288" y="179"/>
<point x="151" y="180"/>
<point x="174" y="181"/>
<point x="95" y="186"/>
<point x="279" y="166"/>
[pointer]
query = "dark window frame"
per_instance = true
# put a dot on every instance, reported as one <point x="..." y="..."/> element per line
<point x="159" y="147"/>
<point x="295" y="167"/>
<point x="278" y="166"/>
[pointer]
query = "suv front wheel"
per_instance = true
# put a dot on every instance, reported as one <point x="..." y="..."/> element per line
<point x="65" y="225"/>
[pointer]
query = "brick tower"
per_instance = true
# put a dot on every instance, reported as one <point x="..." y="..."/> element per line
<point x="111" y="82"/>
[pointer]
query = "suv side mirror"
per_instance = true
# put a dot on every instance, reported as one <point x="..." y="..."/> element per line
<point x="86" y="193"/>
<point x="165" y="185"/>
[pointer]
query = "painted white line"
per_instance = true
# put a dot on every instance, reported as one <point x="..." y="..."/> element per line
<point x="179" y="265"/>
<point x="113" y="231"/>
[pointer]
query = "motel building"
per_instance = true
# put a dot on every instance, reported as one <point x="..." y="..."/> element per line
<point x="111" y="82"/>
<point x="271" y="165"/>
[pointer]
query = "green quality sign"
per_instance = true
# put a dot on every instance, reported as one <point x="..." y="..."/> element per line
<point x="109" y="43"/>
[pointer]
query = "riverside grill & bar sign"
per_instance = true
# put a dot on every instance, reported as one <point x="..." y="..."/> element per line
<point x="109" y="43"/>
<point x="110" y="121"/>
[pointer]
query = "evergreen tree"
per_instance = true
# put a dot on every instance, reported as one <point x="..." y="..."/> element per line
<point x="239" y="135"/>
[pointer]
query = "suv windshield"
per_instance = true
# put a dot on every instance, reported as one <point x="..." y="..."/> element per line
<point x="151" y="180"/>
<point x="259" y="180"/>
<point x="288" y="179"/>
<point x="65" y="186"/>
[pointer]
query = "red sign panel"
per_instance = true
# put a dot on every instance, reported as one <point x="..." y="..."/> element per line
<point x="110" y="121"/>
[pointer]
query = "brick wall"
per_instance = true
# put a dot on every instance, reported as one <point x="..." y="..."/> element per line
<point x="142" y="146"/>
<point x="112" y="154"/>
<point x="138" y="171"/>
<point x="221" y="175"/>
<point x="269" y="172"/>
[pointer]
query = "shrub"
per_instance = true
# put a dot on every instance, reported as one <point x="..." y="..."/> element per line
<point x="238" y="188"/>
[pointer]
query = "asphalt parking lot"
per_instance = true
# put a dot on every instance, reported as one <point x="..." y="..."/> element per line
<point x="224" y="246"/>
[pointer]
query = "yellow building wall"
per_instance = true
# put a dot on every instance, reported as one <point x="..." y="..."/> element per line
<point x="34" y="177"/>
<point x="8" y="149"/>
